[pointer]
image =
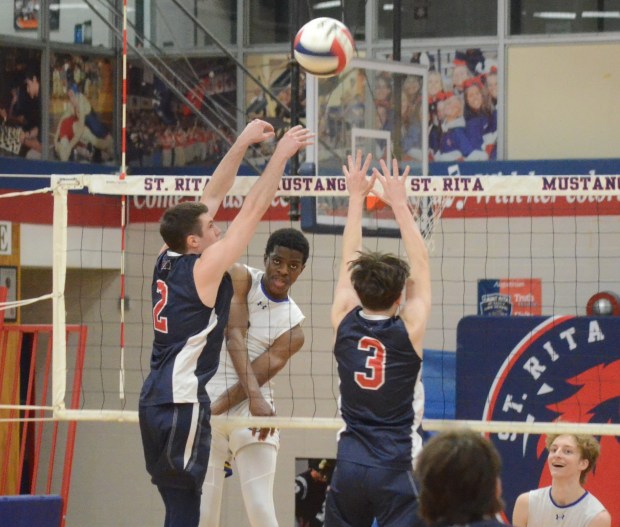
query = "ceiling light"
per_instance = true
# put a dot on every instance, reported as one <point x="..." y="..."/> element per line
<point x="600" y="14"/>
<point x="557" y="15"/>
<point x="327" y="5"/>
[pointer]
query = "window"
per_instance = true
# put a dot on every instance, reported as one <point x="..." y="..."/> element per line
<point x="529" y="17"/>
<point x="439" y="18"/>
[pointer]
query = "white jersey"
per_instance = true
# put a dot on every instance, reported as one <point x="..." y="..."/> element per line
<point x="269" y="319"/>
<point x="544" y="512"/>
<point x="418" y="411"/>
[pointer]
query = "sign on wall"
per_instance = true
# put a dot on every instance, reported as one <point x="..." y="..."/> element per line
<point x="509" y="296"/>
<point x="6" y="238"/>
<point x="533" y="369"/>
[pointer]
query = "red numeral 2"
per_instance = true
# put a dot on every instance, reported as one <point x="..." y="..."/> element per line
<point x="161" y="323"/>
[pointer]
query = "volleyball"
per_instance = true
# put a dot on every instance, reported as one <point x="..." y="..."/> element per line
<point x="323" y="47"/>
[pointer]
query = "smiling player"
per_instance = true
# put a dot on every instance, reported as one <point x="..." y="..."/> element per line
<point x="566" y="503"/>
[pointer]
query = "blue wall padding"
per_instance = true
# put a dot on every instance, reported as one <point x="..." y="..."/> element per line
<point x="439" y="378"/>
<point x="30" y="511"/>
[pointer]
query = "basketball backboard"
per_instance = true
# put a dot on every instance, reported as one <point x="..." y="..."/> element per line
<point x="376" y="106"/>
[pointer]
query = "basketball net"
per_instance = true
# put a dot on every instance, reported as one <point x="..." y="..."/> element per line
<point x="426" y="211"/>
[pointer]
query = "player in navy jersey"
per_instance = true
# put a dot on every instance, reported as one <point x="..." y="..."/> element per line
<point x="378" y="349"/>
<point x="191" y="294"/>
<point x="459" y="480"/>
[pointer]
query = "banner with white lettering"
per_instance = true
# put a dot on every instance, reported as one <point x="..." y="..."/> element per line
<point x="533" y="369"/>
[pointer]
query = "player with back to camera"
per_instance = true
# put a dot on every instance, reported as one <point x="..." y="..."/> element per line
<point x="565" y="503"/>
<point x="378" y="349"/>
<point x="191" y="294"/>
<point x="459" y="476"/>
<point x="264" y="332"/>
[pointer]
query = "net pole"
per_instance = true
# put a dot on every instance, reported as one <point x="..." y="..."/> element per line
<point x="59" y="266"/>
<point x="123" y="207"/>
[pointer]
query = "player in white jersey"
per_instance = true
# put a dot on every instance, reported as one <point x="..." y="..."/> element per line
<point x="565" y="503"/>
<point x="263" y="333"/>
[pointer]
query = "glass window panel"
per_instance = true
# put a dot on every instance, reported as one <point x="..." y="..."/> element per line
<point x="219" y="18"/>
<point x="270" y="20"/>
<point x="20" y="103"/>
<point x="166" y="130"/>
<point x="273" y="73"/>
<point x="352" y="14"/>
<point x="192" y="24"/>
<point x="529" y="17"/>
<point x="439" y="18"/>
<point x="75" y="22"/>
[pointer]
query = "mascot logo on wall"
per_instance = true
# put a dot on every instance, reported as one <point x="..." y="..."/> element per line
<point x="564" y="369"/>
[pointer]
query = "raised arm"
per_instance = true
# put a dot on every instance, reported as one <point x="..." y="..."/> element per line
<point x="218" y="257"/>
<point x="417" y="306"/>
<point x="224" y="175"/>
<point x="358" y="186"/>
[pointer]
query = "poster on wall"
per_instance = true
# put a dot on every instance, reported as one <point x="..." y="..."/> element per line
<point x="311" y="481"/>
<point x="20" y="103"/>
<point x="81" y="109"/>
<point x="26" y="14"/>
<point x="509" y="296"/>
<point x="164" y="130"/>
<point x="463" y="100"/>
<point x="8" y="279"/>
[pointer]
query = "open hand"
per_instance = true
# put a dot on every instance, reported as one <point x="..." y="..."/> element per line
<point x="355" y="175"/>
<point x="394" y="185"/>
<point x="294" y="140"/>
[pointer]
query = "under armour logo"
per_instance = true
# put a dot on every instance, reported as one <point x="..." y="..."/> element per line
<point x="559" y="517"/>
<point x="261" y="304"/>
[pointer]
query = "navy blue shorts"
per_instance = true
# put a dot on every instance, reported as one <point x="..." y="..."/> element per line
<point x="176" y="439"/>
<point x="358" y="494"/>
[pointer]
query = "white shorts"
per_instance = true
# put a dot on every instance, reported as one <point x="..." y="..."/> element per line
<point x="238" y="438"/>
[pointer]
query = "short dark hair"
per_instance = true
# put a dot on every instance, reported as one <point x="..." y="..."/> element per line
<point x="291" y="239"/>
<point x="181" y="221"/>
<point x="458" y="473"/>
<point x="378" y="278"/>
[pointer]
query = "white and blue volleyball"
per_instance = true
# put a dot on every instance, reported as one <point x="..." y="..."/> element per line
<point x="323" y="47"/>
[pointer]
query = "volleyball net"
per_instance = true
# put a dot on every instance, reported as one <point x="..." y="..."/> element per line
<point x="511" y="348"/>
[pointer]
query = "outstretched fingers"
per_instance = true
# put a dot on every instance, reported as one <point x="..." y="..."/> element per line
<point x="393" y="183"/>
<point x="295" y="139"/>
<point x="356" y="174"/>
